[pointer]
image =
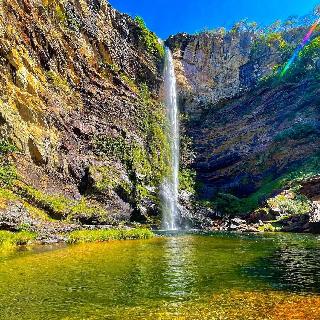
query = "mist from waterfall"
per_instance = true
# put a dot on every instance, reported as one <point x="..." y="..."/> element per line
<point x="171" y="185"/>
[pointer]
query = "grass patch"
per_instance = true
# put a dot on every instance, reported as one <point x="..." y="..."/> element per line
<point x="82" y="236"/>
<point x="11" y="239"/>
<point x="57" y="206"/>
<point x="8" y="195"/>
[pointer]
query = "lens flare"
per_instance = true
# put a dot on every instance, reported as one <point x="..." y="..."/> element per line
<point x="300" y="47"/>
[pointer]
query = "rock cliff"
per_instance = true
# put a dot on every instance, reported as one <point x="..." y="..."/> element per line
<point x="81" y="127"/>
<point x="251" y="131"/>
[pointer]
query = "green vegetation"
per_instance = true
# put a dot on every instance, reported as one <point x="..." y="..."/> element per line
<point x="276" y="38"/>
<point x="187" y="180"/>
<point x="309" y="168"/>
<point x="305" y="62"/>
<point x="146" y="166"/>
<point x="60" y="13"/>
<point x="154" y="127"/>
<point x="215" y="31"/>
<point x="297" y="132"/>
<point x="272" y="40"/>
<point x="115" y="68"/>
<point x="311" y="50"/>
<point x="84" y="210"/>
<point x="245" y="26"/>
<point x="57" y="9"/>
<point x="130" y="82"/>
<point x="303" y="65"/>
<point x="57" y="82"/>
<point x="106" y="177"/>
<point x="8" y="174"/>
<point x="231" y="204"/>
<point x="146" y="162"/>
<point x="149" y="39"/>
<point x="112" y="147"/>
<point x="57" y="206"/>
<point x="7" y="195"/>
<point x="60" y="207"/>
<point x="295" y="205"/>
<point x="187" y="176"/>
<point x="6" y="147"/>
<point x="108" y="235"/>
<point x="11" y="239"/>
<point x="268" y="227"/>
<point x="8" y="171"/>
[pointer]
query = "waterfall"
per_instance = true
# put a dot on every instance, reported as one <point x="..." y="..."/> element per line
<point x="170" y="186"/>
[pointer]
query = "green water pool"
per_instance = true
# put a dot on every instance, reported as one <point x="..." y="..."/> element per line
<point x="182" y="276"/>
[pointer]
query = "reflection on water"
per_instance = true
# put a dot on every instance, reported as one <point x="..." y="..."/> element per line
<point x="152" y="279"/>
<point x="292" y="269"/>
<point x="290" y="264"/>
<point x="180" y="274"/>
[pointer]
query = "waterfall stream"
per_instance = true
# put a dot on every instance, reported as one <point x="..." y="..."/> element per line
<point x="170" y="186"/>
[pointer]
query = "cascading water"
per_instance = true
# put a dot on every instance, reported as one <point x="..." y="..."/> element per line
<point x="170" y="186"/>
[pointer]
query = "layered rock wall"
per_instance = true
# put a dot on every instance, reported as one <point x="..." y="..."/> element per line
<point x="246" y="131"/>
<point x="79" y="100"/>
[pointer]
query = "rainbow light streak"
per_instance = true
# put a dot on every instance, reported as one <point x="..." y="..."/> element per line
<point x="300" y="47"/>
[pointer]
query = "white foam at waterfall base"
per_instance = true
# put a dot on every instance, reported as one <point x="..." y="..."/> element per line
<point x="171" y="184"/>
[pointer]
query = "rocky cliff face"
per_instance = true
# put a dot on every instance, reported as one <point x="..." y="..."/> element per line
<point x="81" y="126"/>
<point x="212" y="67"/>
<point x="250" y="129"/>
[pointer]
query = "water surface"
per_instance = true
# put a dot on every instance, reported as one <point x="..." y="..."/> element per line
<point x="185" y="276"/>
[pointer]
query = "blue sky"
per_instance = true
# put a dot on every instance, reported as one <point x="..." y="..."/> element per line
<point x="166" y="17"/>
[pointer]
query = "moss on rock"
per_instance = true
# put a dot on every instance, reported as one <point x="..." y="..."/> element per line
<point x="60" y="207"/>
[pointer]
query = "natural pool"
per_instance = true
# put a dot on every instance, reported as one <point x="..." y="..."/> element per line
<point x="184" y="276"/>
